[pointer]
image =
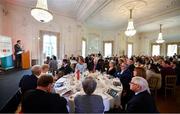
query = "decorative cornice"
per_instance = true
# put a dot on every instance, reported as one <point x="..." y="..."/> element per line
<point x="90" y="7"/>
<point x="159" y="16"/>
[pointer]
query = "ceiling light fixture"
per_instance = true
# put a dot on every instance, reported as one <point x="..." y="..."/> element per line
<point x="130" y="29"/>
<point x="41" y="12"/>
<point x="160" y="37"/>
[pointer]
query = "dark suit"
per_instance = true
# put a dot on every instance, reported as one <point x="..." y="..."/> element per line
<point x="131" y="68"/>
<point x="142" y="102"/>
<point x="66" y="69"/>
<point x="100" y="65"/>
<point x="28" y="82"/>
<point x="112" y="72"/>
<point x="125" y="78"/>
<point x="17" y="49"/>
<point x="38" y="101"/>
<point x="89" y="104"/>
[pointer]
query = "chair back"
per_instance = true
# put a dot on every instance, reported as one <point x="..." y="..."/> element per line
<point x="153" y="82"/>
<point x="170" y="81"/>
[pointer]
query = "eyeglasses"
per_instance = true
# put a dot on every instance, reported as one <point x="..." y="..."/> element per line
<point x="132" y="83"/>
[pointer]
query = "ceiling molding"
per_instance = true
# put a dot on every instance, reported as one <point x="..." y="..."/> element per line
<point x="90" y="7"/>
<point x="156" y="17"/>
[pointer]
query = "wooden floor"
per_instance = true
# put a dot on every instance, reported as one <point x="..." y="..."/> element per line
<point x="170" y="104"/>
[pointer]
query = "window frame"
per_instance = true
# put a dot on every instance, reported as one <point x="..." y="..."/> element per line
<point x="171" y="43"/>
<point x="85" y="46"/>
<point x="132" y="48"/>
<point x="104" y="47"/>
<point x="43" y="32"/>
<point x="160" y="53"/>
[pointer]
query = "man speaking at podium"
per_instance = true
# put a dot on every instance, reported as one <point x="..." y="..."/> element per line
<point x="18" y="51"/>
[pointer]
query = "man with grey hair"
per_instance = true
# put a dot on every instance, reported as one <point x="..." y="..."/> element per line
<point x="30" y="81"/>
<point x="89" y="103"/>
<point x="142" y="102"/>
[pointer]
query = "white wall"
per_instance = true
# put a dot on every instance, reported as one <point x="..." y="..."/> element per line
<point x="1" y="18"/>
<point x="95" y="40"/>
<point x="96" y="37"/>
<point x="19" y="24"/>
<point x="170" y="35"/>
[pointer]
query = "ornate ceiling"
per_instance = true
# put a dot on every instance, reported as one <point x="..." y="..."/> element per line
<point x="114" y="14"/>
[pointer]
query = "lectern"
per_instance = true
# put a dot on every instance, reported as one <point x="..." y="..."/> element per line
<point x="25" y="60"/>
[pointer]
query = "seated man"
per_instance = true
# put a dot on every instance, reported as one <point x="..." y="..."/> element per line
<point x="44" y="69"/>
<point x="141" y="102"/>
<point x="41" y="100"/>
<point x="89" y="103"/>
<point x="66" y="69"/>
<point x="30" y="81"/>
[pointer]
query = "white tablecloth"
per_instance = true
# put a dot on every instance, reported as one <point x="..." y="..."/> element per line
<point x="71" y="84"/>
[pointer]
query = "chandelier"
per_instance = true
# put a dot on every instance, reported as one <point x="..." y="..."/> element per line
<point x="160" y="38"/>
<point x="130" y="29"/>
<point x="41" y="13"/>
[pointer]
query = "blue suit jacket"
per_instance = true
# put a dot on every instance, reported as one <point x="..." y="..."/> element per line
<point x="125" y="78"/>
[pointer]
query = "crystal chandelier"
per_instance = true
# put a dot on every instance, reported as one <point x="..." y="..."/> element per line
<point x="130" y="29"/>
<point x="41" y="13"/>
<point x="160" y="38"/>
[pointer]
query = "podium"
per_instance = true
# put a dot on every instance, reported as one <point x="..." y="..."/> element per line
<point x="25" y="60"/>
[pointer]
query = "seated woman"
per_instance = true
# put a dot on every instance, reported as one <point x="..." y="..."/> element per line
<point x="151" y="72"/>
<point x="112" y="69"/>
<point x="139" y="71"/>
<point x="81" y="65"/>
<point x="89" y="103"/>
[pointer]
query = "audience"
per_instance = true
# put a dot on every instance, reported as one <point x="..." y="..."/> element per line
<point x="47" y="60"/>
<point x="139" y="71"/>
<point x="151" y="73"/>
<point x="28" y="82"/>
<point x="131" y="65"/>
<point x="100" y="65"/>
<point x="44" y="69"/>
<point x="141" y="102"/>
<point x="65" y="68"/>
<point x="125" y="77"/>
<point x="112" y="69"/>
<point x="53" y="65"/>
<point x="89" y="103"/>
<point x="41" y="100"/>
<point x="81" y="65"/>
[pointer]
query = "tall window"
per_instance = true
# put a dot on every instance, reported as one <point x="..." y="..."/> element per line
<point x="171" y="49"/>
<point x="156" y="49"/>
<point x="108" y="48"/>
<point x="84" y="48"/>
<point x="130" y="50"/>
<point x="49" y="45"/>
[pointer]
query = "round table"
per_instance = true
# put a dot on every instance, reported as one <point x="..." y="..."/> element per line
<point x="68" y="86"/>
